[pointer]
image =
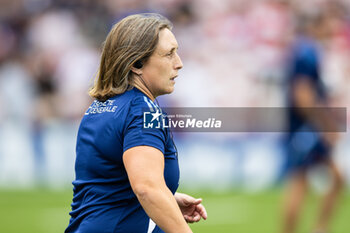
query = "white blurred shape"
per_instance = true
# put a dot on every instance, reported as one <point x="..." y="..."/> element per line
<point x="75" y="74"/>
<point x="261" y="163"/>
<point x="16" y="153"/>
<point x="206" y="164"/>
<point x="59" y="147"/>
<point x="16" y="92"/>
<point x="56" y="30"/>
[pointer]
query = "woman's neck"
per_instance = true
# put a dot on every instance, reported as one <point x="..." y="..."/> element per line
<point x="139" y="84"/>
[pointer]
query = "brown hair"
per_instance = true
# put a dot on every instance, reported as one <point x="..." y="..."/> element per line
<point x="131" y="40"/>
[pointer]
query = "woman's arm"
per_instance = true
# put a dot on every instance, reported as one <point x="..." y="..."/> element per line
<point x="145" y="168"/>
<point x="305" y="98"/>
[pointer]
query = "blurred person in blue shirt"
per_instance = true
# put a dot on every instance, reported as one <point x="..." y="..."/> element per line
<point x="127" y="175"/>
<point x="306" y="144"/>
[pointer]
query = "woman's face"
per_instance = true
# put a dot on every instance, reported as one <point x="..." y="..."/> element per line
<point x="161" y="69"/>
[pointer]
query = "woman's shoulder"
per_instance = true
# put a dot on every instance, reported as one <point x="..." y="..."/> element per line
<point x="142" y="102"/>
<point x="131" y="102"/>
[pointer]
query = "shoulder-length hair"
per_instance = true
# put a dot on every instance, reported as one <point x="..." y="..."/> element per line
<point x="131" y="40"/>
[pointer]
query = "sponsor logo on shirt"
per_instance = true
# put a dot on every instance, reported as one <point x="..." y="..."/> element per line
<point x="98" y="107"/>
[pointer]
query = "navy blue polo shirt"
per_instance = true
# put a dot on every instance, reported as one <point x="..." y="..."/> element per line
<point x="305" y="145"/>
<point x="103" y="200"/>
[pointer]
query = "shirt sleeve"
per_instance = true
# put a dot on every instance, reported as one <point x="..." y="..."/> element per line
<point x="135" y="134"/>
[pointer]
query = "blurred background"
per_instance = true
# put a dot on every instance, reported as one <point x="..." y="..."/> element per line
<point x="235" y="54"/>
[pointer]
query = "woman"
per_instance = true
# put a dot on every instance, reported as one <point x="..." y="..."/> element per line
<point x="127" y="175"/>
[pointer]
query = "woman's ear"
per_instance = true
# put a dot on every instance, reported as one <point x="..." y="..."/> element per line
<point x="138" y="64"/>
<point x="136" y="70"/>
